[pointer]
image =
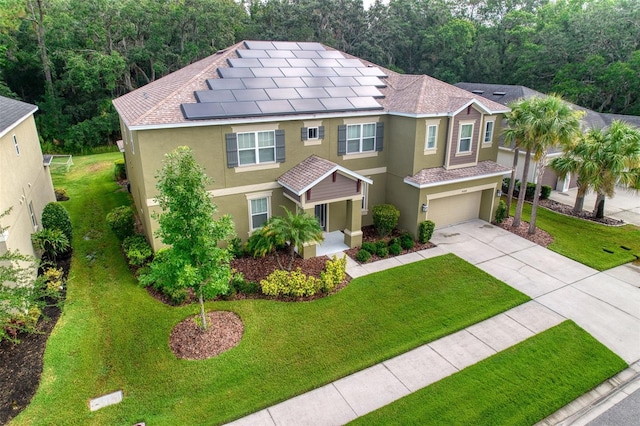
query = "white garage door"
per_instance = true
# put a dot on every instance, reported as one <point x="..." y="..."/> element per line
<point x="455" y="209"/>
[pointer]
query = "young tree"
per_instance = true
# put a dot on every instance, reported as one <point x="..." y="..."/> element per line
<point x="291" y="230"/>
<point x="194" y="258"/>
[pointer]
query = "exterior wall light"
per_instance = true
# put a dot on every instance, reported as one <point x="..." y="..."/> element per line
<point x="498" y="193"/>
<point x="425" y="208"/>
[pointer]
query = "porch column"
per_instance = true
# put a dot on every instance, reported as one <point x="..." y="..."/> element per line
<point x="353" y="232"/>
<point x="308" y="250"/>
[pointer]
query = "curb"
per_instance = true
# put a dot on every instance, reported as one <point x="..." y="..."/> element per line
<point x="595" y="402"/>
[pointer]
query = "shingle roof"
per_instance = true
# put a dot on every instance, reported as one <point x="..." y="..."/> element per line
<point x="163" y="101"/>
<point x="439" y="175"/>
<point x="12" y="111"/>
<point x="310" y="171"/>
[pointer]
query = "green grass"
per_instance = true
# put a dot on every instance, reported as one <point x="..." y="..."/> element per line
<point x="112" y="335"/>
<point x="585" y="241"/>
<point x="519" y="386"/>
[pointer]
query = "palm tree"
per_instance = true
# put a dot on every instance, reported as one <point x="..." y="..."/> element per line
<point x="291" y="230"/>
<point x="512" y="137"/>
<point x="602" y="160"/>
<point x="541" y="123"/>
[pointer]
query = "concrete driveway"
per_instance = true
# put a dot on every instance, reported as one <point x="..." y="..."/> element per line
<point x="625" y="205"/>
<point x="605" y="304"/>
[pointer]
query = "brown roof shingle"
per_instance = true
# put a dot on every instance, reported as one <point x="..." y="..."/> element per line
<point x="439" y="175"/>
<point x="310" y="171"/>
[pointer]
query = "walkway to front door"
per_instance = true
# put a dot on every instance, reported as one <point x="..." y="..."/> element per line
<point x="333" y="243"/>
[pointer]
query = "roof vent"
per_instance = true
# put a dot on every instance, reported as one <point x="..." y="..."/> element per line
<point x="499" y="93"/>
<point x="477" y="92"/>
<point x="220" y="52"/>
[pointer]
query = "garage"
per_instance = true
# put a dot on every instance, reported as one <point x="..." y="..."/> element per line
<point x="455" y="209"/>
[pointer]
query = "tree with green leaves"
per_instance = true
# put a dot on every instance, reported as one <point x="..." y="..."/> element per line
<point x="542" y="123"/>
<point x="194" y="258"/>
<point x="290" y="231"/>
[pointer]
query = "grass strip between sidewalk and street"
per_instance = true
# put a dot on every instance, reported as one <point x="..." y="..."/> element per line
<point x="113" y="335"/>
<point x="599" y="246"/>
<point x="521" y="385"/>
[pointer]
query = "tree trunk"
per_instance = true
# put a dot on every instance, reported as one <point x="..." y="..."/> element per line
<point x="540" y="166"/>
<point x="512" y="183"/>
<point x="40" y="37"/>
<point x="523" y="190"/>
<point x="203" y="317"/>
<point x="579" y="205"/>
<point x="598" y="211"/>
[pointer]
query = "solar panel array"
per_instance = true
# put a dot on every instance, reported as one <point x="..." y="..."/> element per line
<point x="282" y="78"/>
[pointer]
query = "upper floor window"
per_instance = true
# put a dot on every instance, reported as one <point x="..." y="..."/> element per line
<point x="432" y="133"/>
<point x="488" y="132"/>
<point x="360" y="138"/>
<point x="312" y="133"/>
<point x="15" y="144"/>
<point x="256" y="147"/>
<point x="464" y="144"/>
<point x="32" y="213"/>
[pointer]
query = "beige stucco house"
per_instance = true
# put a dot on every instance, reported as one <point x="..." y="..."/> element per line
<point x="25" y="181"/>
<point x="305" y="126"/>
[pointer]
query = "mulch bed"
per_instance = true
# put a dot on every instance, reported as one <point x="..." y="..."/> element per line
<point x="255" y="270"/>
<point x="370" y="235"/>
<point x="568" y="210"/>
<point x="189" y="341"/>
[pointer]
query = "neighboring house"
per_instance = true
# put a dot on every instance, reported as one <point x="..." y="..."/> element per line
<point x="25" y="181"/>
<point x="300" y="124"/>
<point x="505" y="94"/>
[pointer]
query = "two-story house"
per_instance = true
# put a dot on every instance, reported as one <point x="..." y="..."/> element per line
<point x="25" y="181"/>
<point x="305" y="126"/>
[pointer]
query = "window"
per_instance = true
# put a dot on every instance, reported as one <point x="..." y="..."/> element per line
<point x="15" y="144"/>
<point x="312" y="133"/>
<point x="259" y="212"/>
<point x="432" y="132"/>
<point x="256" y="147"/>
<point x="32" y="212"/>
<point x="365" y="196"/>
<point x="361" y="138"/>
<point x="464" y="144"/>
<point x="488" y="132"/>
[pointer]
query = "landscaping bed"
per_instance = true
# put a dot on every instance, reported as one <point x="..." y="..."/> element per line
<point x="369" y="235"/>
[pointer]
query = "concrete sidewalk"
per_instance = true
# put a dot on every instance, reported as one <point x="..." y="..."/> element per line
<point x="606" y="304"/>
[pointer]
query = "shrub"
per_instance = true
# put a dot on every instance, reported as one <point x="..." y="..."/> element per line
<point x="505" y="185"/>
<point x="368" y="246"/>
<point x="395" y="249"/>
<point x="55" y="216"/>
<point x="385" y="218"/>
<point x="119" y="169"/>
<point x="53" y="282"/>
<point x="237" y="247"/>
<point x="501" y="211"/>
<point x="425" y="231"/>
<point x="52" y="242"/>
<point x="380" y="245"/>
<point x="531" y="190"/>
<point x="545" y="192"/>
<point x="334" y="273"/>
<point x="240" y="285"/>
<point x="382" y="252"/>
<point x="363" y="256"/>
<point x="407" y="242"/>
<point x="120" y="220"/>
<point x="393" y="241"/>
<point x="137" y="250"/>
<point x="294" y="283"/>
<point x="61" y="194"/>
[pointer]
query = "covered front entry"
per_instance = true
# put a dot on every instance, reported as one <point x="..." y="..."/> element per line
<point x="325" y="190"/>
<point x="455" y="209"/>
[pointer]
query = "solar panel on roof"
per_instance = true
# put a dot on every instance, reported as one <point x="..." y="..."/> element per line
<point x="202" y="111"/>
<point x="312" y="92"/>
<point x="301" y="63"/>
<point x="317" y="81"/>
<point x="250" y="95"/>
<point x="243" y="63"/>
<point x="295" y="72"/>
<point x="370" y="81"/>
<point x="286" y="45"/>
<point x="259" y="83"/>
<point x="368" y="91"/>
<point x="265" y="45"/>
<point x="252" y="53"/>
<point x="365" y="103"/>
<point x="274" y="62"/>
<point x="241" y="109"/>
<point x="280" y="54"/>
<point x="275" y="107"/>
<point x="343" y="81"/>
<point x="229" y="83"/>
<point x="348" y="72"/>
<point x="267" y="72"/>
<point x="372" y="72"/>
<point x="350" y="63"/>
<point x="288" y="93"/>
<point x="306" y="54"/>
<point x="336" y="104"/>
<point x="307" y="105"/>
<point x="337" y="92"/>
<point x="310" y="46"/>
<point x="326" y="63"/>
<point x="289" y="82"/>
<point x="214" y="96"/>
<point x="330" y="54"/>
<point x="322" y="72"/>
<point x="235" y="72"/>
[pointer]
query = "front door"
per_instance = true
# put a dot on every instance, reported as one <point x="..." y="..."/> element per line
<point x="321" y="215"/>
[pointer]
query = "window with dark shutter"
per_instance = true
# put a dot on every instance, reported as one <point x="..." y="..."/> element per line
<point x="379" y="136"/>
<point x="321" y="132"/>
<point x="280" y="151"/>
<point x="342" y="139"/>
<point x="232" y="150"/>
<point x="303" y="133"/>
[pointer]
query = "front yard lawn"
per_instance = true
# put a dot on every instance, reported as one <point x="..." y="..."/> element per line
<point x="518" y="386"/>
<point x="112" y="335"/>
<point x="598" y="246"/>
